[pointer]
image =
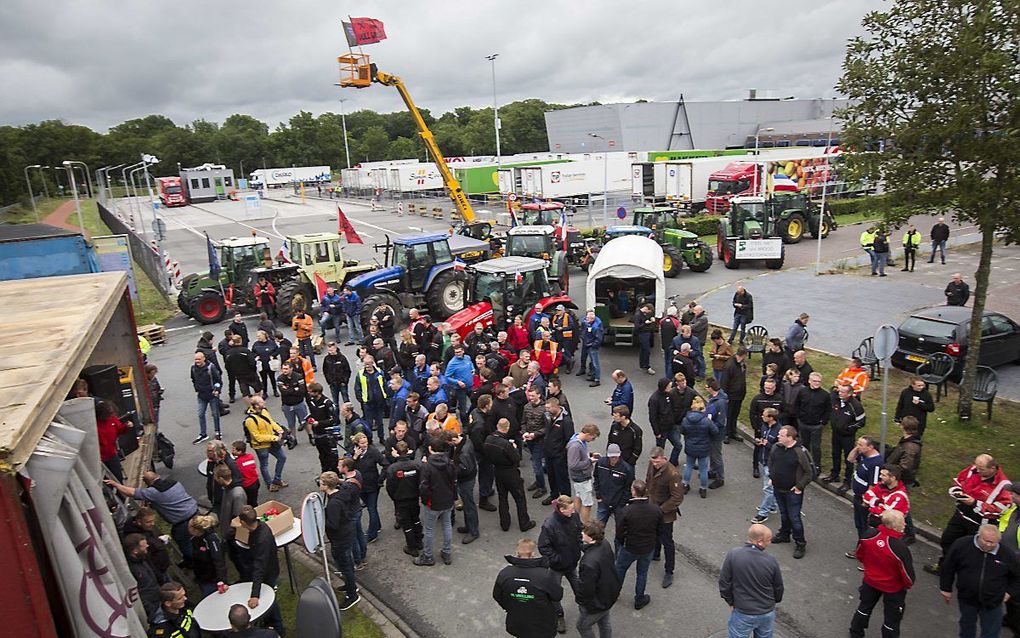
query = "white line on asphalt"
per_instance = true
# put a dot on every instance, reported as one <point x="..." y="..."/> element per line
<point x="420" y="230"/>
<point x="184" y="226"/>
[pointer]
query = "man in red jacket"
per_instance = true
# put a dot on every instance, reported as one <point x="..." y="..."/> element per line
<point x="888" y="494"/>
<point x="888" y="574"/>
<point x="546" y="353"/>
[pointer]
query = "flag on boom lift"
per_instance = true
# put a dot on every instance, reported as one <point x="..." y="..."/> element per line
<point x="345" y="228"/>
<point x="364" y="31"/>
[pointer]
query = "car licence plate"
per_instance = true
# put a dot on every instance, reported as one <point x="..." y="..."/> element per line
<point x="915" y="358"/>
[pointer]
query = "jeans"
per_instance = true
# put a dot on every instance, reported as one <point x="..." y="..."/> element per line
<point x="739" y="322"/>
<point x="340" y="390"/>
<point x="296" y="415"/>
<point x="873" y="258"/>
<point x="860" y="516"/>
<point x="537" y="449"/>
<point x="746" y="625"/>
<point x="589" y="619"/>
<point x="909" y="258"/>
<point x="203" y="404"/>
<point x="371" y="501"/>
<point x="624" y="558"/>
<point x="466" y="491"/>
<point x="604" y="511"/>
<point x="789" y="511"/>
<point x="881" y="259"/>
<point x="673" y="436"/>
<point x="445" y="517"/>
<point x="811" y="439"/>
<point x="716" y="459"/>
<point x="354" y="332"/>
<point x="306" y="350"/>
<point x="571" y="577"/>
<point x="768" y="495"/>
<point x="327" y="320"/>
<point x="732" y="412"/>
<point x="644" y="357"/>
<point x="702" y="462"/>
<point x="343" y="558"/>
<point x="991" y="621"/>
<point x="892" y="606"/>
<point x="594" y="369"/>
<point x="281" y="460"/>
<point x="940" y="246"/>
<point x="359" y="548"/>
<point x="487" y="478"/>
<point x="559" y="480"/>
<point x="179" y="532"/>
<point x="668" y="545"/>
<point x="374" y="417"/>
<point x="457" y="400"/>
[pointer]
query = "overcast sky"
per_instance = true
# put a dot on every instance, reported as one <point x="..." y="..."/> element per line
<point x="101" y="62"/>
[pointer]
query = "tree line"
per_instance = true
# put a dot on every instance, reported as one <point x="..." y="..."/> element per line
<point x="304" y="140"/>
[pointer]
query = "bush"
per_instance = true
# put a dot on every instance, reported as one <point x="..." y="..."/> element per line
<point x="700" y="225"/>
<point x="873" y="205"/>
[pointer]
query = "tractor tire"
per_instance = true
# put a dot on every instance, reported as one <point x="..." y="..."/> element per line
<point x="184" y="304"/>
<point x="374" y="301"/>
<point x="446" y="295"/>
<point x="706" y="259"/>
<point x="287" y="294"/>
<point x="792" y="228"/>
<point x="825" y="229"/>
<point x="672" y="261"/>
<point x="561" y="266"/>
<point x="776" y="264"/>
<point x="209" y="307"/>
<point x="729" y="255"/>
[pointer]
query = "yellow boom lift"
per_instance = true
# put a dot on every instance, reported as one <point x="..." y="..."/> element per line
<point x="356" y="71"/>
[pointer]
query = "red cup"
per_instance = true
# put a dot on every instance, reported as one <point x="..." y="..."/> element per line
<point x="221" y="587"/>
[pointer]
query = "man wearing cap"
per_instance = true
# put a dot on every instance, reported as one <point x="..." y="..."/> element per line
<point x="592" y="333"/>
<point x="668" y="327"/>
<point x="612" y="478"/>
<point x="564" y="326"/>
<point x="332" y="306"/>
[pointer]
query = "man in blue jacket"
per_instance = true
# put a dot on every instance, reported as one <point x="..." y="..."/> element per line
<point x="623" y="394"/>
<point x="332" y="306"/>
<point x="459" y="379"/>
<point x="717" y="411"/>
<point x="352" y="308"/>
<point x="697" y="354"/>
<point x="206" y="380"/>
<point x="592" y="334"/>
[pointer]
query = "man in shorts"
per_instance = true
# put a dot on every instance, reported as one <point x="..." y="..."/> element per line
<point x="580" y="463"/>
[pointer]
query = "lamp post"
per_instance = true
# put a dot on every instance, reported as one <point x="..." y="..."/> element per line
<point x="56" y="177"/>
<point x="46" y="188"/>
<point x="757" y="133"/>
<point x="74" y="190"/>
<point x="31" y="195"/>
<point x="86" y="171"/>
<point x="605" y="177"/>
<point x="104" y="186"/>
<point x="760" y="165"/>
<point x="343" y="124"/>
<point x="495" y="108"/>
<point x="821" y="213"/>
<point x="146" y="161"/>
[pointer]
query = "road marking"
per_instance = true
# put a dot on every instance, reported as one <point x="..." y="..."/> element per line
<point x="240" y="223"/>
<point x="420" y="230"/>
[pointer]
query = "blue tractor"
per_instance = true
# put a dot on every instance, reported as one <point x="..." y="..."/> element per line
<point x="421" y="271"/>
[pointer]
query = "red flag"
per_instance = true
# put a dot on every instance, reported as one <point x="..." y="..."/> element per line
<point x="345" y="228"/>
<point x="368" y="30"/>
<point x="320" y="285"/>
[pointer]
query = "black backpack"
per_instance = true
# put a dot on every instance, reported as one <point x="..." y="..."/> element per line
<point x="165" y="450"/>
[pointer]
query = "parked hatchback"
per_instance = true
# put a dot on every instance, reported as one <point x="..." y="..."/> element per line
<point x="946" y="328"/>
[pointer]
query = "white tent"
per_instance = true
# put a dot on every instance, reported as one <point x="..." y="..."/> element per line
<point x="626" y="257"/>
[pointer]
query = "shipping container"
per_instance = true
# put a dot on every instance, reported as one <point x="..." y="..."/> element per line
<point x="478" y="180"/>
<point x="38" y="250"/>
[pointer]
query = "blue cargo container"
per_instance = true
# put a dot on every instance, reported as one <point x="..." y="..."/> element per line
<point x="40" y="250"/>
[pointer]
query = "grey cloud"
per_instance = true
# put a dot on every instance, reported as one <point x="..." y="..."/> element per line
<point x="100" y="62"/>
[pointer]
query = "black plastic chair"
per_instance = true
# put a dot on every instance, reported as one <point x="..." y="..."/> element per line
<point x="935" y="371"/>
<point x="986" y="385"/>
<point x="866" y="353"/>
<point x="755" y="339"/>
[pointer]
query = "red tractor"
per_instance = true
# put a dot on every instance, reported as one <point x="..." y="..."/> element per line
<point x="551" y="214"/>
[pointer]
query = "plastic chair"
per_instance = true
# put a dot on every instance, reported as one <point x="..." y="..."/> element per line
<point x="935" y="371"/>
<point x="866" y="353"/>
<point x="986" y="385"/>
<point x="755" y="339"/>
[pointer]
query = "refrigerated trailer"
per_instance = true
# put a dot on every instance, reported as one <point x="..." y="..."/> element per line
<point x="575" y="180"/>
<point x="413" y="178"/>
<point x="279" y="177"/>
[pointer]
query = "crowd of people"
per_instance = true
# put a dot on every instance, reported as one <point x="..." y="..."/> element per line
<point x="442" y="423"/>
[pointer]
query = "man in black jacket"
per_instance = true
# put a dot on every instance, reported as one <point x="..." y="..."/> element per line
<point x="265" y="567"/>
<point x="814" y="409"/>
<point x="241" y="368"/>
<point x="743" y="313"/>
<point x="402" y="484"/>
<point x="136" y="551"/>
<point x="293" y="393"/>
<point x="662" y="418"/>
<point x="626" y="434"/>
<point x="847" y="418"/>
<point x="915" y="401"/>
<point x="502" y="453"/>
<point x="340" y="532"/>
<point x="957" y="291"/>
<point x="734" y="384"/>
<point x="985" y="572"/>
<point x="207" y="381"/>
<point x="438" y="491"/>
<point x="337" y="371"/>
<point x="612" y="478"/>
<point x="636" y="532"/>
<point x="769" y="397"/>
<point x="558" y="429"/>
<point x="466" y="462"/>
<point x="528" y="591"/>
<point x="560" y="542"/>
<point x="790" y="471"/>
<point x="598" y="585"/>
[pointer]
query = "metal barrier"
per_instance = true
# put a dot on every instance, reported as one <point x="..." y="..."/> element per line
<point x="150" y="261"/>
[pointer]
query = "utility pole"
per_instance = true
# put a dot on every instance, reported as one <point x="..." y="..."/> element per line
<point x="495" y="107"/>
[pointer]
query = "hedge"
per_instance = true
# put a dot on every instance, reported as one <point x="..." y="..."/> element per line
<point x="700" y="225"/>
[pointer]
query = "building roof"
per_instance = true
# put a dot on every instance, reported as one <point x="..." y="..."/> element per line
<point x="39" y="362"/>
<point x="21" y="232"/>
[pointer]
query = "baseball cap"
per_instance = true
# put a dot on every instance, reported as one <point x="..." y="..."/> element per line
<point x="560" y="307"/>
<point x="613" y="450"/>
<point x="671" y="311"/>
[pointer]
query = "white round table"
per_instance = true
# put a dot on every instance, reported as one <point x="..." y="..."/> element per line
<point x="203" y="467"/>
<point x="284" y="540"/>
<point x="211" y="613"/>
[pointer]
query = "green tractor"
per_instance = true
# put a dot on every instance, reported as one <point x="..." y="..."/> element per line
<point x="679" y="246"/>
<point x="795" y="214"/>
<point x="749" y="232"/>
<point x="244" y="260"/>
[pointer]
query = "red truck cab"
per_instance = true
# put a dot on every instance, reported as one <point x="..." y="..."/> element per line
<point x="737" y="179"/>
<point x="171" y="191"/>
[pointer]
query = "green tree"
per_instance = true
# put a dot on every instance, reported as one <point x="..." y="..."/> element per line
<point x="372" y="145"/>
<point x="934" y="85"/>
<point x="403" y="148"/>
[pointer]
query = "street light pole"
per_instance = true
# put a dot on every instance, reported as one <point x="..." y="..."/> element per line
<point x="146" y="160"/>
<point x="495" y="108"/>
<point x="74" y="189"/>
<point x="605" y="178"/>
<point x="31" y="195"/>
<point x="760" y="165"/>
<point x="821" y="213"/>
<point x="46" y="188"/>
<point x="343" y="123"/>
<point x="85" y="170"/>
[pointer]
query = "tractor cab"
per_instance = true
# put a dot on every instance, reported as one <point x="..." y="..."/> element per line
<point x="657" y="218"/>
<point x="418" y="255"/>
<point x="612" y="232"/>
<point x="239" y="256"/>
<point x="541" y="213"/>
<point x="750" y="218"/>
<point x="319" y="254"/>
<point x="531" y="241"/>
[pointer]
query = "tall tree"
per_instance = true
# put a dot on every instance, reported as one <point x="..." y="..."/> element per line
<point x="934" y="85"/>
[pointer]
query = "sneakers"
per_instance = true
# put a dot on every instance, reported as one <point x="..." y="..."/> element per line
<point x="201" y="438"/>
<point x="667" y="580"/>
<point x="423" y="561"/>
<point x="361" y="566"/>
<point x="641" y="602"/>
<point x="758" y="518"/>
<point x="274" y="487"/>
<point x="702" y="492"/>
<point x="687" y="488"/>
<point x="933" y="569"/>
<point x="219" y="437"/>
<point x="350" y="602"/>
<point x="650" y="371"/>
<point x="372" y="539"/>
<point x="799" y="550"/>
<point x="716" y="484"/>
<point x="851" y="554"/>
<point x="447" y="558"/>
<point x="547" y="500"/>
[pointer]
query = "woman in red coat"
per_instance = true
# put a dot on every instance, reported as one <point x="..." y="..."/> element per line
<point x="109" y="427"/>
<point x="517" y="336"/>
<point x="265" y="297"/>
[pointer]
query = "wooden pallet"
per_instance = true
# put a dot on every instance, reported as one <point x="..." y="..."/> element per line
<point x="153" y="333"/>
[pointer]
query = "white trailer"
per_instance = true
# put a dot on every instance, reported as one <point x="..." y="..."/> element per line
<point x="686" y="181"/>
<point x="277" y="177"/>
<point x="575" y="179"/>
<point x="412" y="178"/>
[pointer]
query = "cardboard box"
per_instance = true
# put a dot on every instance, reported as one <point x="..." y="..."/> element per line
<point x="278" y="524"/>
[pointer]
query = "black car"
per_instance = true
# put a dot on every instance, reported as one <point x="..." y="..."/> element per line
<point x="946" y="328"/>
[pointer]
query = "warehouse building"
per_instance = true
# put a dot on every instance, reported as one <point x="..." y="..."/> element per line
<point x="685" y="125"/>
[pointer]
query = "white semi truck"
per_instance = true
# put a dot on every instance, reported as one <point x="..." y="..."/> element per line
<point x="280" y="177"/>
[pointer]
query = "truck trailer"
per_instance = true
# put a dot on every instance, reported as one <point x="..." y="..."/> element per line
<point x="413" y="178"/>
<point x="785" y="170"/>
<point x="280" y="177"/>
<point x="681" y="183"/>
<point x="576" y="180"/>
